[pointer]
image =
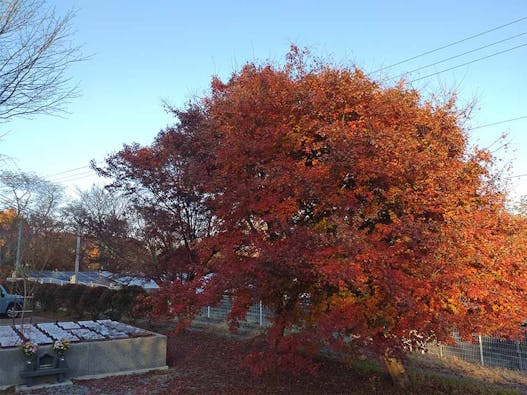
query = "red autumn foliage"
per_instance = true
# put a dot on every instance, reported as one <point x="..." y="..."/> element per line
<point x="357" y="212"/>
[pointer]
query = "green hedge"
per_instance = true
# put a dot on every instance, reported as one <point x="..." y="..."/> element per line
<point x="90" y="303"/>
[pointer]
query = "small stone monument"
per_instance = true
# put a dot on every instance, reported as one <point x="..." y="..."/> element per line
<point x="45" y="364"/>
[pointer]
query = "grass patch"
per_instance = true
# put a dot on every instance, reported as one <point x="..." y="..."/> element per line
<point x="426" y="379"/>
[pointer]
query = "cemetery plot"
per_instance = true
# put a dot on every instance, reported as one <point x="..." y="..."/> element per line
<point x="68" y="325"/>
<point x="128" y="329"/>
<point x="86" y="334"/>
<point x="8" y="337"/>
<point x="46" y="333"/>
<point x="33" y="334"/>
<point x="97" y="348"/>
<point x="56" y="332"/>
<point x="104" y="330"/>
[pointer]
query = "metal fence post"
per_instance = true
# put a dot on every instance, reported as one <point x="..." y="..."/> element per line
<point x="208" y="311"/>
<point x="520" y="362"/>
<point x="481" y="350"/>
<point x="261" y="314"/>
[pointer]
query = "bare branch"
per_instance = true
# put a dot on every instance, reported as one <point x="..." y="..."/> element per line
<point x="35" y="55"/>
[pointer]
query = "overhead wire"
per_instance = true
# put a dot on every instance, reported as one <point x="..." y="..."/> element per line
<point x="498" y="122"/>
<point x="467" y="63"/>
<point x="461" y="54"/>
<point x="78" y="178"/>
<point x="6" y="199"/>
<point x="470" y="62"/>
<point x="517" y="176"/>
<point x="449" y="45"/>
<point x="87" y="173"/>
<point x="70" y="175"/>
<point x="13" y="203"/>
<point x="67" y="171"/>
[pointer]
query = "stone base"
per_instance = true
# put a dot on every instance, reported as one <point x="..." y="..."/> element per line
<point x="20" y="388"/>
<point x="91" y="358"/>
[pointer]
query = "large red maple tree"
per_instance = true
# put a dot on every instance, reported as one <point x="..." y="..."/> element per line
<point x="356" y="211"/>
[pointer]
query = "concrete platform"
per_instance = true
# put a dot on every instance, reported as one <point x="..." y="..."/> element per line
<point x="21" y="388"/>
<point x="139" y="351"/>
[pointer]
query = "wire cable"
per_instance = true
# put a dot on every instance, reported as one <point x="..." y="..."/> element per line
<point x="67" y="171"/>
<point x="80" y="177"/>
<point x="73" y="176"/>
<point x="517" y="176"/>
<point x="498" y="122"/>
<point x="470" y="62"/>
<point x="460" y="55"/>
<point x="448" y="45"/>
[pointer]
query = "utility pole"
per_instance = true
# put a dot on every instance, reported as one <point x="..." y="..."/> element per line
<point x="75" y="278"/>
<point x="18" y="250"/>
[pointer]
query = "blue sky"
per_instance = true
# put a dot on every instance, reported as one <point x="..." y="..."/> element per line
<point x="144" y="53"/>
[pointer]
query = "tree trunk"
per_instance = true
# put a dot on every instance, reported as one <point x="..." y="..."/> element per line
<point x="397" y="372"/>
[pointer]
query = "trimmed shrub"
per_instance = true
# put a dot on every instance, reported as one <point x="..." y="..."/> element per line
<point x="82" y="302"/>
<point x="45" y="296"/>
<point x="89" y="302"/>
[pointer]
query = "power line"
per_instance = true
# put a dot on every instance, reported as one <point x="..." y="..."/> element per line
<point x="73" y="176"/>
<point x="13" y="202"/>
<point x="498" y="122"/>
<point x="67" y="171"/>
<point x="517" y="176"/>
<point x="461" y="54"/>
<point x="77" y="178"/>
<point x="5" y="199"/>
<point x="470" y="62"/>
<point x="64" y="176"/>
<point x="448" y="45"/>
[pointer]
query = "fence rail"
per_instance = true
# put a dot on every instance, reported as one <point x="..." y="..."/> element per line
<point x="486" y="351"/>
<point x="257" y="315"/>
<point x="483" y="350"/>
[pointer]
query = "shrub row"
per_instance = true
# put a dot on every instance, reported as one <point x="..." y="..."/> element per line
<point x="83" y="302"/>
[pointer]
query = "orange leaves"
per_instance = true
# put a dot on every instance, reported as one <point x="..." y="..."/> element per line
<point x="348" y="207"/>
<point x="7" y="216"/>
<point x="217" y="85"/>
<point x="7" y="221"/>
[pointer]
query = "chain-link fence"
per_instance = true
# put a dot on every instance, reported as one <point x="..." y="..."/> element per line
<point x="483" y="350"/>
<point x="486" y="351"/>
<point x="257" y="315"/>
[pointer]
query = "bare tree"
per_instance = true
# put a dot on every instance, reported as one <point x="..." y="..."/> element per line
<point x="35" y="202"/>
<point x="29" y="194"/>
<point x="108" y="220"/>
<point x="35" y="54"/>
